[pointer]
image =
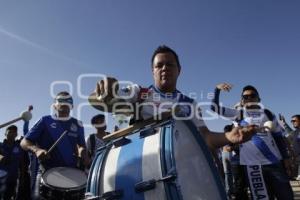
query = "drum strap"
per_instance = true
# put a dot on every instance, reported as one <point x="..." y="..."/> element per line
<point x="93" y="144"/>
<point x="257" y="183"/>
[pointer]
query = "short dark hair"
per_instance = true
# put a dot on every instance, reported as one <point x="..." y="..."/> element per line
<point x="96" y="117"/>
<point x="12" y="128"/>
<point x="296" y="116"/>
<point x="250" y="87"/>
<point x="165" y="49"/>
<point x="63" y="93"/>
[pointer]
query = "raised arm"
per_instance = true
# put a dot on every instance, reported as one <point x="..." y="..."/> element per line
<point x="216" y="106"/>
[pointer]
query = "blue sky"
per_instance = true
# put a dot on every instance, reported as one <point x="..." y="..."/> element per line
<point x="241" y="42"/>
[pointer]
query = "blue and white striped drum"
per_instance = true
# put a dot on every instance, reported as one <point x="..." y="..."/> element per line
<point x="165" y="161"/>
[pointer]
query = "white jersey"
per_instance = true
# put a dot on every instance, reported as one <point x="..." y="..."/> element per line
<point x="262" y="148"/>
<point x="154" y="102"/>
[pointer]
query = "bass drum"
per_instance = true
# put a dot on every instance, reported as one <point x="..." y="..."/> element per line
<point x="166" y="161"/>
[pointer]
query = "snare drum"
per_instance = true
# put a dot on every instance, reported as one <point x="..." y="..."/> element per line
<point x="63" y="183"/>
<point x="166" y="161"/>
<point x="3" y="176"/>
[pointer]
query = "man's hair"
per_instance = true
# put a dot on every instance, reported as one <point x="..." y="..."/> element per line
<point x="63" y="93"/>
<point x="12" y="128"/>
<point x="165" y="49"/>
<point x="250" y="87"/>
<point x="97" y="117"/>
<point x="296" y="116"/>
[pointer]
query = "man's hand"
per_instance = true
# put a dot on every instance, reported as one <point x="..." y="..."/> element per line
<point x="224" y="86"/>
<point x="227" y="148"/>
<point x="240" y="135"/>
<point x="282" y="119"/>
<point x="107" y="89"/>
<point x="82" y="154"/>
<point x="4" y="160"/>
<point x="41" y="154"/>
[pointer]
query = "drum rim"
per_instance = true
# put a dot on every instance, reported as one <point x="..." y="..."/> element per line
<point x="83" y="186"/>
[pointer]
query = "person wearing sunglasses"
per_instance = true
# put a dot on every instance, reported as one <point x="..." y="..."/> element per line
<point x="264" y="157"/>
<point x="294" y="138"/>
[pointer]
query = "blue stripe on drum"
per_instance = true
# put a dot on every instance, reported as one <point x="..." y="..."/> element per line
<point x="168" y="162"/>
<point x="207" y="154"/>
<point x="93" y="182"/>
<point x="129" y="168"/>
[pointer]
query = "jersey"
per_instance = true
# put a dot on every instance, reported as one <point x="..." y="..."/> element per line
<point x="262" y="148"/>
<point x="153" y="102"/>
<point x="47" y="130"/>
<point x="13" y="154"/>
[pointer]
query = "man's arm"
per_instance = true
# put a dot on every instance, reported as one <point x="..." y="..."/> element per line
<point x="27" y="145"/>
<point x="286" y="127"/>
<point x="216" y="106"/>
<point x="236" y="136"/>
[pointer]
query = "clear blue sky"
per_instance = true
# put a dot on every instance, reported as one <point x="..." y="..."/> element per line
<point x="242" y="42"/>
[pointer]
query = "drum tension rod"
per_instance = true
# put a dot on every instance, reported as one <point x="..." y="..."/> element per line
<point x="151" y="184"/>
<point x="111" y="195"/>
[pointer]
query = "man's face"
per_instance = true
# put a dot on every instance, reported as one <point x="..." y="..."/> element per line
<point x="296" y="122"/>
<point x="63" y="108"/>
<point x="165" y="72"/>
<point x="249" y="97"/>
<point x="11" y="134"/>
<point x="63" y="105"/>
<point x="100" y="124"/>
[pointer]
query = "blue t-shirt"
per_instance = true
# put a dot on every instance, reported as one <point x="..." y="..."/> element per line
<point x="47" y="130"/>
<point x="13" y="155"/>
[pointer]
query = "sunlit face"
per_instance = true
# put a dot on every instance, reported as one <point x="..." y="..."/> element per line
<point x="165" y="72"/>
<point x="63" y="109"/>
<point x="296" y="122"/>
<point x="63" y="105"/>
<point x="100" y="124"/>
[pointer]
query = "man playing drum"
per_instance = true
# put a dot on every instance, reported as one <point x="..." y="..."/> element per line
<point x="162" y="96"/>
<point x="64" y="131"/>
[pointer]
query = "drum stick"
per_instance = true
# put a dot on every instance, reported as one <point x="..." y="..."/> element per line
<point x="56" y="142"/>
<point x="11" y="122"/>
<point x="127" y="131"/>
<point x="26" y="115"/>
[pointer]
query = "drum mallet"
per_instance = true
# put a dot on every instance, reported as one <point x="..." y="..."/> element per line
<point x="56" y="142"/>
<point x="26" y="116"/>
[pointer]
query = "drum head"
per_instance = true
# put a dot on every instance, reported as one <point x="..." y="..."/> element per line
<point x="63" y="177"/>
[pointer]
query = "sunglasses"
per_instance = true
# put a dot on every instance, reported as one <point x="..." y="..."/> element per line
<point x="249" y="96"/>
<point x="293" y="120"/>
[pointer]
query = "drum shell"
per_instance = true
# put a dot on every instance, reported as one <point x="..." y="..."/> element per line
<point x="173" y="147"/>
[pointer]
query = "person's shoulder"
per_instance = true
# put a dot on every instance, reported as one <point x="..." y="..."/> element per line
<point x="77" y="121"/>
<point x="46" y="118"/>
<point x="270" y="115"/>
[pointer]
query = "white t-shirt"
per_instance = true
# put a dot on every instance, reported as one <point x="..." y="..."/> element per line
<point x="262" y="148"/>
<point x="154" y="102"/>
<point x="98" y="143"/>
